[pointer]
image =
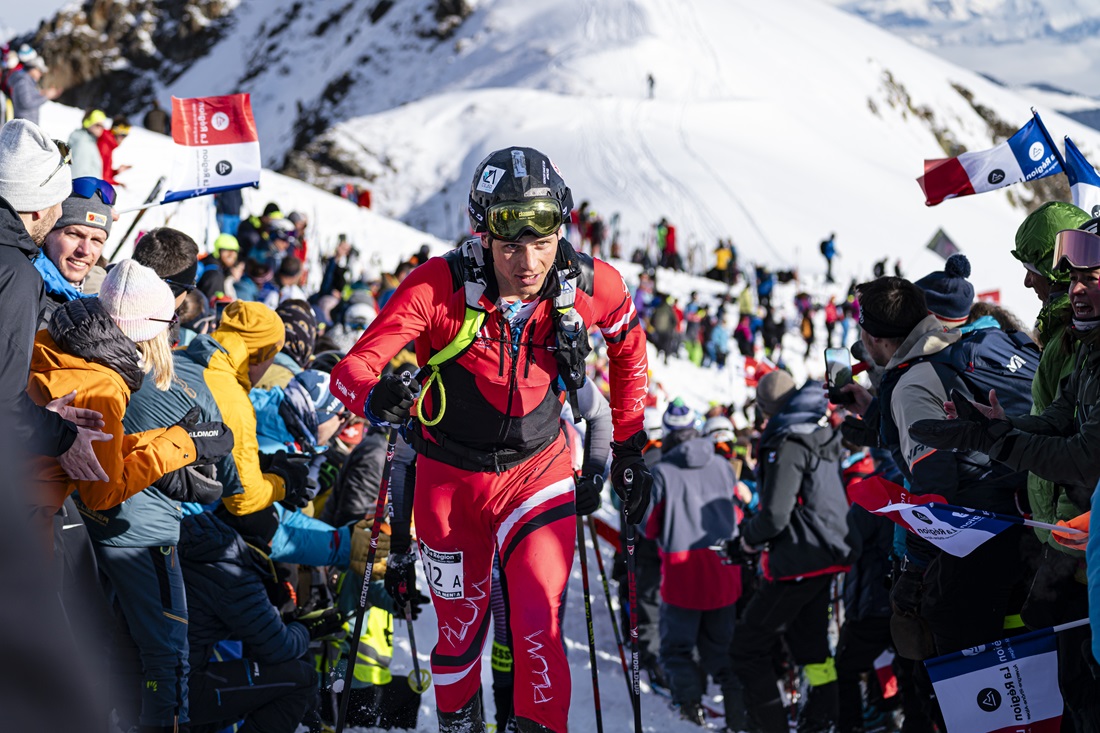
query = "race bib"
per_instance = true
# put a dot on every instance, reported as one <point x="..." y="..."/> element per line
<point x="444" y="571"/>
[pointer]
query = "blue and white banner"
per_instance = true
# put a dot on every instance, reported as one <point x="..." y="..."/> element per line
<point x="1009" y="686"/>
<point x="1084" y="181"/>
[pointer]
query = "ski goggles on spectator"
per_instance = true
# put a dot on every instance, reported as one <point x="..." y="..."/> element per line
<point x="1076" y="249"/>
<point x="511" y="219"/>
<point x="66" y="158"/>
<point x="86" y="186"/>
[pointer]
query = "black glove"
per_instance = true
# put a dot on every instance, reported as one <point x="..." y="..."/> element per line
<point x="213" y="440"/>
<point x="860" y="432"/>
<point x="905" y="596"/>
<point x="983" y="436"/>
<point x="634" y="493"/>
<point x="390" y="400"/>
<point x="294" y="471"/>
<point x="730" y="551"/>
<point x="400" y="580"/>
<point x="588" y="493"/>
<point x="189" y="484"/>
<point x="322" y="623"/>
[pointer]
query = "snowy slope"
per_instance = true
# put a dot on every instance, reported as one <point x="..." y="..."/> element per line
<point x="383" y="242"/>
<point x="1017" y="41"/>
<point x="773" y="123"/>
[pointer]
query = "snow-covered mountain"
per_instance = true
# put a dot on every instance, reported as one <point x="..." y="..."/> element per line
<point x="1020" y="42"/>
<point x="771" y="123"/>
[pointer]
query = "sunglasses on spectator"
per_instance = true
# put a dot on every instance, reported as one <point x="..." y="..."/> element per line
<point x="87" y="186"/>
<point x="509" y="220"/>
<point x="181" y="287"/>
<point x="1077" y="249"/>
<point x="170" y="321"/>
<point x="66" y="158"/>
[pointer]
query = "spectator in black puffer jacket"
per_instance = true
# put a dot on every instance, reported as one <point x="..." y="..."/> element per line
<point x="802" y="527"/>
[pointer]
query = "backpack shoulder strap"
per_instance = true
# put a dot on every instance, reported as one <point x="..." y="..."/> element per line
<point x="586" y="276"/>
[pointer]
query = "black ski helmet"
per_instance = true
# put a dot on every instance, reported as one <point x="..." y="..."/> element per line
<point x="515" y="174"/>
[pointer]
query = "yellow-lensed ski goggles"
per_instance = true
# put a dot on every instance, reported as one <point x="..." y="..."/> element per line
<point x="510" y="220"/>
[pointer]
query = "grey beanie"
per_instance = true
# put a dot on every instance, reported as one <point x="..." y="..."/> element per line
<point x="85" y="212"/>
<point x="773" y="390"/>
<point x="27" y="158"/>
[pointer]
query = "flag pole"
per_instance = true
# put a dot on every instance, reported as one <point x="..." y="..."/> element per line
<point x="1050" y="141"/>
<point x="1007" y="518"/>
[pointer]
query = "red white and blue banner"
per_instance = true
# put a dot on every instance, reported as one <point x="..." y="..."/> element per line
<point x="1084" y="182"/>
<point x="217" y="148"/>
<point x="1009" y="686"/>
<point x="1026" y="156"/>
<point x="954" y="529"/>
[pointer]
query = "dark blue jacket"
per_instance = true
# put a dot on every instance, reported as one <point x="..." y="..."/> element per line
<point x="871" y="537"/>
<point x="226" y="598"/>
<point x="803" y="508"/>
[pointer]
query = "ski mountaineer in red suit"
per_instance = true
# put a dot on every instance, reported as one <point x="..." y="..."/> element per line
<point x="500" y="349"/>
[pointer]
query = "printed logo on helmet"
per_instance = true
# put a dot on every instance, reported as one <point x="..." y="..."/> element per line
<point x="519" y="164"/>
<point x="99" y="220"/>
<point x="490" y="179"/>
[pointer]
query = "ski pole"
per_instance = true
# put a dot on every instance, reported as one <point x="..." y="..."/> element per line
<point x="421" y="679"/>
<point x="588" y="618"/>
<point x="149" y="203"/>
<point x="632" y="598"/>
<point x="610" y="607"/>
<point x="361" y="610"/>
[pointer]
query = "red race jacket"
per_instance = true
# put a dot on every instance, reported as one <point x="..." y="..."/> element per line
<point x="495" y="398"/>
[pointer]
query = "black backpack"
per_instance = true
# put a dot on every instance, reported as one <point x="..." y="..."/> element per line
<point x="981" y="360"/>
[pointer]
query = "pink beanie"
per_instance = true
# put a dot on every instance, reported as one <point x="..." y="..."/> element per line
<point x="138" y="300"/>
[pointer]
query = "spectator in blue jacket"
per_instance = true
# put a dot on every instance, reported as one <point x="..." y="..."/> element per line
<point x="26" y="97"/>
<point x="273" y="687"/>
<point x="692" y="509"/>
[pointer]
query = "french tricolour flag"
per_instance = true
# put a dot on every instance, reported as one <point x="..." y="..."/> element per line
<point x="217" y="148"/>
<point x="1084" y="182"/>
<point x="1025" y="156"/>
<point x="954" y="529"/>
<point x="1009" y="686"/>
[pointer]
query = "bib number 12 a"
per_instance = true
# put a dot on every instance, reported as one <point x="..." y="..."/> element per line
<point x="444" y="571"/>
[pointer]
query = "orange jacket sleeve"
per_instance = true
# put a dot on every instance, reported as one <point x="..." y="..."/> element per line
<point x="131" y="462"/>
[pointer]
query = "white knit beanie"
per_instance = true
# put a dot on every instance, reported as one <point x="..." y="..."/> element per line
<point x="134" y="295"/>
<point x="27" y="158"/>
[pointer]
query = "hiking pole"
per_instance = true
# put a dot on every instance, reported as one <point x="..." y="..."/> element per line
<point x="610" y="608"/>
<point x="632" y="599"/>
<point x="588" y="618"/>
<point x="421" y="679"/>
<point x="361" y="609"/>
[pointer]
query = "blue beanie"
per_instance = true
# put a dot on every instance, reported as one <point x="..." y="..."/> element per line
<point x="948" y="293"/>
<point x="678" y="416"/>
